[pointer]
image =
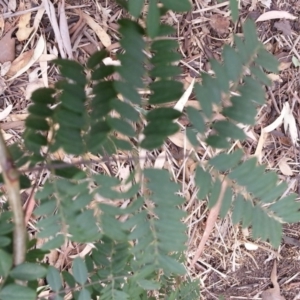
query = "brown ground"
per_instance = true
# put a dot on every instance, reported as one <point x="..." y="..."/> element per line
<point x="226" y="269"/>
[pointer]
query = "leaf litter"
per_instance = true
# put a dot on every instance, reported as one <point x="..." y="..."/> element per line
<point x="207" y="30"/>
<point x="7" y="46"/>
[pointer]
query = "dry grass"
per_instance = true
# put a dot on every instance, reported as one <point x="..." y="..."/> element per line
<point x="232" y="264"/>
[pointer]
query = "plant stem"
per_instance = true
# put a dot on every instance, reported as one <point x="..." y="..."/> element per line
<point x="11" y="180"/>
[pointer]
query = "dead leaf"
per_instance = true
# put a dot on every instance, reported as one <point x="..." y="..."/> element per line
<point x="50" y="10"/>
<point x="284" y="26"/>
<point x="295" y="61"/>
<point x="210" y="223"/>
<point x="274" y="77"/>
<point x="5" y="68"/>
<point x="273" y="293"/>
<point x="180" y="140"/>
<point x="20" y="62"/>
<point x="285" y="168"/>
<point x="160" y="160"/>
<point x="4" y="114"/>
<point x="108" y="61"/>
<point x="31" y="58"/>
<point x="185" y="97"/>
<point x="266" y="3"/>
<point x="24" y="30"/>
<point x="219" y="23"/>
<point x="275" y="14"/>
<point x="2" y="24"/>
<point x="87" y="249"/>
<point x="2" y="85"/>
<point x="100" y="32"/>
<point x="64" y="30"/>
<point x="250" y="246"/>
<point x="284" y="65"/>
<point x="12" y="5"/>
<point x="289" y="125"/>
<point x="44" y="68"/>
<point x="34" y="83"/>
<point x="7" y="46"/>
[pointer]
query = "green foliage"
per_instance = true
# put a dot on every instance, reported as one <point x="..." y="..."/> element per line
<point x="138" y="250"/>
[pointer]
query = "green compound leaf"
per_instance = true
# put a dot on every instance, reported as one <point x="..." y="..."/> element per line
<point x="260" y="75"/>
<point x="165" y="57"/>
<point x="125" y="109"/>
<point x="166" y="29"/>
<point x="54" y="279"/>
<point x="242" y="51"/>
<point x="70" y="64"/>
<point x="85" y="293"/>
<point x="242" y="110"/>
<point x="129" y="92"/>
<point x="251" y="40"/>
<point x="252" y="90"/>
<point x="228" y="129"/>
<point x="69" y="279"/>
<point x="164" y="45"/>
<point x="221" y="75"/>
<point x="191" y="134"/>
<point x="212" y="85"/>
<point x="40" y="110"/>
<point x="163" y="113"/>
<point x="267" y="61"/>
<point x="203" y="96"/>
<point x="165" y="91"/>
<point x="226" y="202"/>
<point x="96" y="59"/>
<point x="135" y="7"/>
<point x="4" y="241"/>
<point x="5" y="263"/>
<point x="25" y="183"/>
<point x="103" y="72"/>
<point x="43" y="96"/>
<point x="131" y="69"/>
<point x="148" y="284"/>
<point x="72" y="70"/>
<point x="233" y="6"/>
<point x="224" y="162"/>
<point x="79" y="271"/>
<point x="37" y="123"/>
<point x="17" y="292"/>
<point x="215" y="192"/>
<point x="152" y="141"/>
<point x="196" y="119"/>
<point x="238" y="209"/>
<point x="68" y="171"/>
<point x="75" y="90"/>
<point x="45" y="208"/>
<point x="177" y="5"/>
<point x="69" y="118"/>
<point x="73" y="104"/>
<point x="244" y="169"/>
<point x="164" y="71"/>
<point x="121" y="126"/>
<point x="203" y="181"/>
<point x="163" y="127"/>
<point x="217" y="141"/>
<point x="232" y="62"/>
<point x="153" y="19"/>
<point x="28" y="271"/>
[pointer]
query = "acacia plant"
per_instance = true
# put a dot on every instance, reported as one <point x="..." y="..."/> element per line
<point x="138" y="250"/>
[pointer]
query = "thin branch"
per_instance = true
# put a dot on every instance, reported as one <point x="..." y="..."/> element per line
<point x="106" y="159"/>
<point x="11" y="180"/>
<point x="210" y="223"/>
